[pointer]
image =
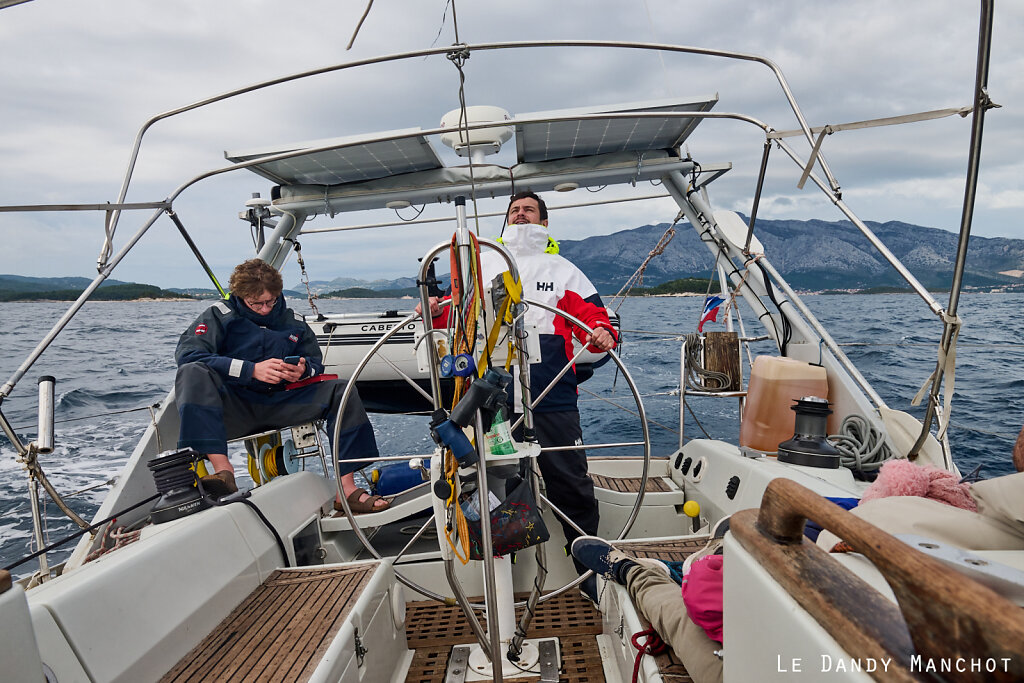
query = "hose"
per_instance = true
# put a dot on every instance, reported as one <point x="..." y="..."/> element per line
<point x="698" y="377"/>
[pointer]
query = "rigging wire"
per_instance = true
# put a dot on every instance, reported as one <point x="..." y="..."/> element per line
<point x="661" y="56"/>
<point x="695" y="419"/>
<point x="637" y="278"/>
<point x="625" y="409"/>
<point x="92" y="417"/>
<point x="455" y="21"/>
<point x="366" y="12"/>
<point x="305" y="278"/>
<point x="440" y="28"/>
<point x="80" y="532"/>
<point x="458" y="59"/>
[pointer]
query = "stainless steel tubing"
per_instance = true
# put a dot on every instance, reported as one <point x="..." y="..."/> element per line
<point x="487" y="550"/>
<point x="44" y="435"/>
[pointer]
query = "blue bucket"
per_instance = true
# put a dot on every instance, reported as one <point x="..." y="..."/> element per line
<point x="391" y="479"/>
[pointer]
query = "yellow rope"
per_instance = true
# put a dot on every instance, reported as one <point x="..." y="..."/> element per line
<point x="503" y="314"/>
<point x="451" y="469"/>
<point x="464" y="336"/>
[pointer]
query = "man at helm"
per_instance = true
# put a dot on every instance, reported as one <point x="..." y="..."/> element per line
<point x="552" y="279"/>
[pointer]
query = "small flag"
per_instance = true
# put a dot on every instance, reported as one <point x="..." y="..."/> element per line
<point x="711" y="305"/>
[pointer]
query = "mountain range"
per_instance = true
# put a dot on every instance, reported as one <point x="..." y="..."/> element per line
<point x="812" y="255"/>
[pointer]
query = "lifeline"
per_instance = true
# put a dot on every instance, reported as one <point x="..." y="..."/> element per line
<point x="958" y="664"/>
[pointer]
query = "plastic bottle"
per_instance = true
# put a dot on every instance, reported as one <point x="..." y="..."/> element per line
<point x="499" y="436"/>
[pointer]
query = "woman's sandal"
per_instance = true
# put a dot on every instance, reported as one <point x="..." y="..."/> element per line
<point x="359" y="507"/>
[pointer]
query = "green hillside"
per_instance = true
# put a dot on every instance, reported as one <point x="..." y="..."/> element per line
<point x="122" y="292"/>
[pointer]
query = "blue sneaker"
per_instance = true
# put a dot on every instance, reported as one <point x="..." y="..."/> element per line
<point x="597" y="554"/>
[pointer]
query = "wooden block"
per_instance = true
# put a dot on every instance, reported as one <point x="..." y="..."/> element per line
<point x="722" y="354"/>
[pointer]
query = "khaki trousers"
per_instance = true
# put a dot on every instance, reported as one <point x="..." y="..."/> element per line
<point x="660" y="601"/>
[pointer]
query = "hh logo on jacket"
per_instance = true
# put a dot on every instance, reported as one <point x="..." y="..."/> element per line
<point x="545" y="286"/>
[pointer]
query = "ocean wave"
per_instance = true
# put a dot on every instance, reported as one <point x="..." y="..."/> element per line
<point x="109" y="398"/>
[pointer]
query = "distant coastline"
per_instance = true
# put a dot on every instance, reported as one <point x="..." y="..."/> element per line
<point x="35" y="290"/>
<point x="392" y="298"/>
<point x="119" y="292"/>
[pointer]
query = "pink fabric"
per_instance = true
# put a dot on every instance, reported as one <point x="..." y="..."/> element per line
<point x="702" y="595"/>
<point x="904" y="478"/>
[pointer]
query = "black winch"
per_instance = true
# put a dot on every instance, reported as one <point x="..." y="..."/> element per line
<point x="175" y="479"/>
<point x="809" y="447"/>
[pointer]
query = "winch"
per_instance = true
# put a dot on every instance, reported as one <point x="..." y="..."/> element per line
<point x="809" y="447"/>
<point x="176" y="483"/>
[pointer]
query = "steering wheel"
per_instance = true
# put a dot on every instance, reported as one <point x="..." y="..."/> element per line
<point x="641" y="414"/>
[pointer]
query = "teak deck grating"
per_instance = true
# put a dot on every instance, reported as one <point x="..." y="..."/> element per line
<point x="630" y="484"/>
<point x="432" y="630"/>
<point x="280" y="631"/>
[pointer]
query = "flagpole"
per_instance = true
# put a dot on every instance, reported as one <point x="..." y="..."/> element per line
<point x="722" y="279"/>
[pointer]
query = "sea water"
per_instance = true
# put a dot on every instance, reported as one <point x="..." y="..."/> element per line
<point x="116" y="359"/>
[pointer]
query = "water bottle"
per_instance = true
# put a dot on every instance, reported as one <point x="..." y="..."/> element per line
<point x="499" y="437"/>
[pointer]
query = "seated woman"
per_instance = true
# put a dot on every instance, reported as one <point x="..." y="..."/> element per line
<point x="688" y="619"/>
<point x="233" y="380"/>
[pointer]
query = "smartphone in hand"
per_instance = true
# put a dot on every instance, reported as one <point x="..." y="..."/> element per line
<point x="292" y="360"/>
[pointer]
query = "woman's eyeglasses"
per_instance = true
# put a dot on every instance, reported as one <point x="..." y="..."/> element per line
<point x="269" y="303"/>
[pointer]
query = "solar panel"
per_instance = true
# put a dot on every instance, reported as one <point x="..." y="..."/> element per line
<point x="364" y="161"/>
<point x="576" y="137"/>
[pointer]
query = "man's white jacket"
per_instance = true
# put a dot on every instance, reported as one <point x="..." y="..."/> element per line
<point x="555" y="281"/>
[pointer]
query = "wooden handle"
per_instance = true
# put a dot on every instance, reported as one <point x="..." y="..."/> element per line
<point x="943" y="616"/>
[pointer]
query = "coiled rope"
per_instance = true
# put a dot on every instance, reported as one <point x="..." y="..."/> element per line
<point x="861" y="447"/>
<point x="654" y="645"/>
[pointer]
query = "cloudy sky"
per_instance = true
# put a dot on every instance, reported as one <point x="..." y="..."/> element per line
<point x="78" y="78"/>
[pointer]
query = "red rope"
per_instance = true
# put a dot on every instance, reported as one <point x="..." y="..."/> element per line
<point x="653" y="646"/>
